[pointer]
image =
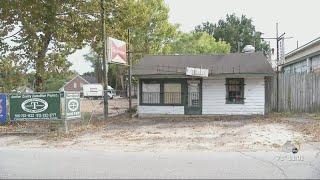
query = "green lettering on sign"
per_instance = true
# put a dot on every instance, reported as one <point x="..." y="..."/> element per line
<point x="35" y="106"/>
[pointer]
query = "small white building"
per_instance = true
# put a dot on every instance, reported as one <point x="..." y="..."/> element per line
<point x="231" y="84"/>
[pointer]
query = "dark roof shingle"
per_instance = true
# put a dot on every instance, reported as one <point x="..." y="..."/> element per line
<point x="90" y="79"/>
<point x="217" y="64"/>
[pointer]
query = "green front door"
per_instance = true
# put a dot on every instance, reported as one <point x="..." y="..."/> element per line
<point x="194" y="98"/>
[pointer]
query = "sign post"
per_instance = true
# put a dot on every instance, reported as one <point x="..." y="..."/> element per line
<point x="3" y="108"/>
<point x="35" y="106"/>
<point x="104" y="61"/>
<point x="72" y="107"/>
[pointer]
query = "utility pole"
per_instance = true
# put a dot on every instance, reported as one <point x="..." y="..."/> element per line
<point x="104" y="61"/>
<point x="277" y="35"/>
<point x="129" y="63"/>
<point x="278" y="38"/>
<point x="129" y="52"/>
<point x="239" y="46"/>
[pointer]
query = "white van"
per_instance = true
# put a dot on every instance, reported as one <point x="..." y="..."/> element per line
<point x="95" y="91"/>
<point x="111" y="92"/>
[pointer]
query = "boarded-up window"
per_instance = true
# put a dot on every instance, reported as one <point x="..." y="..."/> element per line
<point x="235" y="90"/>
<point x="150" y="93"/>
<point x="172" y="93"/>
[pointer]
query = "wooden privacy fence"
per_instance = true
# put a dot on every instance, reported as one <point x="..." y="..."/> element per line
<point x="298" y="92"/>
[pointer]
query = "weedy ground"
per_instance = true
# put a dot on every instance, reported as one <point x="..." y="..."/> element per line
<point x="215" y="133"/>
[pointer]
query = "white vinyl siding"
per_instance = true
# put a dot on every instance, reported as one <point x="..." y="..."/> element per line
<point x="214" y="97"/>
<point x="160" y="110"/>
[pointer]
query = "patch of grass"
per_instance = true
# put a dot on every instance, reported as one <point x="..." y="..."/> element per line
<point x="312" y="130"/>
<point x="281" y="114"/>
<point x="315" y="116"/>
<point x="58" y="136"/>
<point x="133" y="110"/>
<point x="85" y="117"/>
<point x="277" y="146"/>
<point x="297" y="143"/>
<point x="39" y="126"/>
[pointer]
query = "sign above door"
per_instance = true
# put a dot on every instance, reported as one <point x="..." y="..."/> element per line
<point x="190" y="71"/>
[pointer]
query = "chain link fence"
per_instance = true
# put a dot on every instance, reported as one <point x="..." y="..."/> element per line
<point x="92" y="110"/>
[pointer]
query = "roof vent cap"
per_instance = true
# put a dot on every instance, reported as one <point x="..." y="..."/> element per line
<point x="249" y="49"/>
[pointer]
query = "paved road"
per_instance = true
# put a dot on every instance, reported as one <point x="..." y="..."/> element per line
<point x="50" y="163"/>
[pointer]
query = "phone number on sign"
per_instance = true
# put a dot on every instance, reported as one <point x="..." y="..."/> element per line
<point x="37" y="116"/>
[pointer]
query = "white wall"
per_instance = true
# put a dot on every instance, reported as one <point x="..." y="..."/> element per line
<point x="161" y="109"/>
<point x="214" y="97"/>
<point x="304" y="53"/>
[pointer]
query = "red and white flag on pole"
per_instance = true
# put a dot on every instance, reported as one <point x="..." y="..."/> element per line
<point x="117" y="51"/>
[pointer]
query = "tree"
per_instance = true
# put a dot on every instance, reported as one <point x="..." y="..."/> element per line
<point x="113" y="74"/>
<point x="12" y="73"/>
<point x="197" y="43"/>
<point x="149" y="31"/>
<point x="156" y="30"/>
<point x="95" y="61"/>
<point x="89" y="73"/>
<point x="39" y="31"/>
<point x="237" y="31"/>
<point x="56" y="80"/>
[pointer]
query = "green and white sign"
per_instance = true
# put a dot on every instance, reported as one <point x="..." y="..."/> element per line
<point x="35" y="106"/>
<point x="72" y="104"/>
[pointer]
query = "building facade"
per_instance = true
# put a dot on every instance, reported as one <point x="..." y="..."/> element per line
<point x="234" y="84"/>
<point x="303" y="59"/>
<point x="77" y="83"/>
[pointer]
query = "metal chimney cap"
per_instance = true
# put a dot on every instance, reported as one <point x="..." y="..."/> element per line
<point x="249" y="49"/>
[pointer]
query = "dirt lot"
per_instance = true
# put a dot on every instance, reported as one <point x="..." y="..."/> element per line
<point x="179" y="134"/>
<point x="116" y="106"/>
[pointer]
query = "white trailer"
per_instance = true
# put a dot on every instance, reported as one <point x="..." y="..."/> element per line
<point x="95" y="91"/>
<point x="92" y="91"/>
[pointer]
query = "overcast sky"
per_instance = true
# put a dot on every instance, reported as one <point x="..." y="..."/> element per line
<point x="298" y="18"/>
